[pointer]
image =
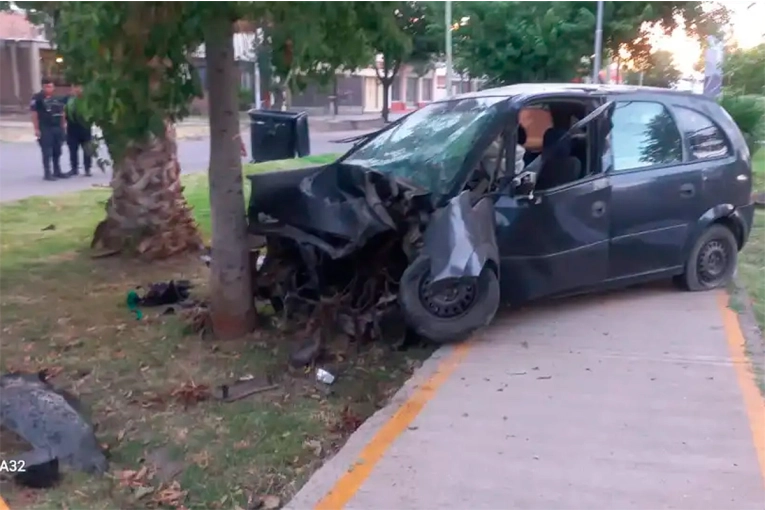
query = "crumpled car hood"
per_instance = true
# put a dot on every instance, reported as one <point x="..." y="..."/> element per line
<point x="337" y="208"/>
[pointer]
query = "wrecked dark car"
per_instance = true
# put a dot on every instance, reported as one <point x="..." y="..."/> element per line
<point x="506" y="194"/>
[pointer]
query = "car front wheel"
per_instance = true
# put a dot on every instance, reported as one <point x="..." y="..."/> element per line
<point x="712" y="260"/>
<point x="449" y="313"/>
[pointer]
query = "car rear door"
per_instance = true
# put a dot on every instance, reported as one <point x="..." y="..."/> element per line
<point x="655" y="197"/>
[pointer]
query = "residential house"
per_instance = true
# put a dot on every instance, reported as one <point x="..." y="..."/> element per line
<point x="25" y="57"/>
<point x="361" y="92"/>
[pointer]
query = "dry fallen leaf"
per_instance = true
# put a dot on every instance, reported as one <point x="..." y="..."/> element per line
<point x="314" y="446"/>
<point x="270" y="502"/>
<point x="142" y="491"/>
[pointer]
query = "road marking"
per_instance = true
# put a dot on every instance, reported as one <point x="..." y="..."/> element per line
<point x="753" y="400"/>
<point x="345" y="488"/>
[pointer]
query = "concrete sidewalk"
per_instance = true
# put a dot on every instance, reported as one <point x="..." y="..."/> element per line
<point x="627" y="400"/>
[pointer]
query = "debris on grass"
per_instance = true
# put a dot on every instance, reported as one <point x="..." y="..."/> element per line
<point x="190" y="393"/>
<point x="348" y="422"/>
<point x="50" y="421"/>
<point x="324" y="376"/>
<point x="244" y="387"/>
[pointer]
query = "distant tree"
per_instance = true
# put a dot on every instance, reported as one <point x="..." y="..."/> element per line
<point x="401" y="33"/>
<point x="309" y="42"/>
<point x="659" y="70"/>
<point x="510" y="42"/>
<point x="744" y="70"/>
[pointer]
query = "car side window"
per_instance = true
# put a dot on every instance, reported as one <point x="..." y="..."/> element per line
<point x="644" y="134"/>
<point x="705" y="139"/>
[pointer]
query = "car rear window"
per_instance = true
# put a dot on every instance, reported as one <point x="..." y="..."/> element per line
<point x="644" y="135"/>
<point x="705" y="139"/>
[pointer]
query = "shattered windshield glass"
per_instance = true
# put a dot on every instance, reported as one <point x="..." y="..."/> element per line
<point x="429" y="146"/>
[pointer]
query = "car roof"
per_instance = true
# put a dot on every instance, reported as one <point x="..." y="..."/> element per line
<point x="527" y="90"/>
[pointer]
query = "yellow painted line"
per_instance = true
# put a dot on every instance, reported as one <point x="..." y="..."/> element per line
<point x="753" y="400"/>
<point x="345" y="488"/>
<point x="3" y="504"/>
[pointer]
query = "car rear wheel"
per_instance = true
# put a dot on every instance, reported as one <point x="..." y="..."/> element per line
<point x="712" y="260"/>
<point x="448" y="314"/>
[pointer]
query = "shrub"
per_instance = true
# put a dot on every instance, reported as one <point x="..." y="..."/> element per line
<point x="245" y="99"/>
<point x="748" y="111"/>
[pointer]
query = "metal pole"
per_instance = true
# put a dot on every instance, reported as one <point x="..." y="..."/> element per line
<point x="448" y="23"/>
<point x="598" y="44"/>
<point x="256" y="85"/>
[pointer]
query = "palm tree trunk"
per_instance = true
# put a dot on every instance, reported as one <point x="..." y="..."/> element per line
<point x="147" y="213"/>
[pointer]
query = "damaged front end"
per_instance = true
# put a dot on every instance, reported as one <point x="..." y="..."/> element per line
<point x="337" y="239"/>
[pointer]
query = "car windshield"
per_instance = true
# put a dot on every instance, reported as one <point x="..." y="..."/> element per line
<point x="429" y="146"/>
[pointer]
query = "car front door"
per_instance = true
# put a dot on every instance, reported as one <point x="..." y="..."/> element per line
<point x="557" y="240"/>
<point x="655" y="198"/>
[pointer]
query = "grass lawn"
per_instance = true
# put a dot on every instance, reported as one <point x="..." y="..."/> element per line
<point x="752" y="259"/>
<point x="64" y="312"/>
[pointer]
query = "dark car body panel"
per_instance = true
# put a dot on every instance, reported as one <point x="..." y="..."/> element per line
<point x="461" y="239"/>
<point x="541" y="241"/>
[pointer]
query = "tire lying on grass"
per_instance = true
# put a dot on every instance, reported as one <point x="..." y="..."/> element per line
<point x="451" y="314"/>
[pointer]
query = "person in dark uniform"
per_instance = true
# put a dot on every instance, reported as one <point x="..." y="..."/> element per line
<point x="50" y="124"/>
<point x="79" y="133"/>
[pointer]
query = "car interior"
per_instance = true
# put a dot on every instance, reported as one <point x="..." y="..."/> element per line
<point x="545" y="124"/>
<point x="541" y="126"/>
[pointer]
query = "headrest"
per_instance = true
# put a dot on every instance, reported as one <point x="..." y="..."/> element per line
<point x="521" y="135"/>
<point x="551" y="138"/>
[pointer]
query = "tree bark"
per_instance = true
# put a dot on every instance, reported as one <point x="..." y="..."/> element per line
<point x="386" y="83"/>
<point x="232" y="306"/>
<point x="147" y="213"/>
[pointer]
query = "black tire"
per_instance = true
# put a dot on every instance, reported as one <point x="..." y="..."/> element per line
<point x="444" y="323"/>
<point x="712" y="261"/>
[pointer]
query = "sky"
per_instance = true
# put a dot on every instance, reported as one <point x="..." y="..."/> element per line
<point x="748" y="27"/>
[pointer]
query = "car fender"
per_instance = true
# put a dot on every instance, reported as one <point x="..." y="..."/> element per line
<point x="716" y="213"/>
<point x="460" y="239"/>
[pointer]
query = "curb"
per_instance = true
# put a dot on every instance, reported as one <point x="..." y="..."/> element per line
<point x="345" y="125"/>
<point x="13" y="134"/>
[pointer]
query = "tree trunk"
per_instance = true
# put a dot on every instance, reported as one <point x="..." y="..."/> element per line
<point x="232" y="306"/>
<point x="147" y="213"/>
<point x="386" y="83"/>
<point x="336" y="102"/>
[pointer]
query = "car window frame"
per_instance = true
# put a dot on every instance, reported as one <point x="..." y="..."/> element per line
<point x="645" y="99"/>
<point x="686" y="141"/>
<point x="596" y="101"/>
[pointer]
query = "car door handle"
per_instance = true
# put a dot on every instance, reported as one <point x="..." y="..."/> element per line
<point x="687" y="190"/>
<point x="598" y="209"/>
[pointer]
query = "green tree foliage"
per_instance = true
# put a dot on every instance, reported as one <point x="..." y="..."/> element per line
<point x="400" y="32"/>
<point x="311" y="41"/>
<point x="748" y="111"/>
<point x="658" y="71"/>
<point x="744" y="70"/>
<point x="510" y="42"/>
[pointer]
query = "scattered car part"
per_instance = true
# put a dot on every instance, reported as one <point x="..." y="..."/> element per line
<point x="324" y="377"/>
<point x="243" y="387"/>
<point x="48" y="419"/>
<point x="41" y="470"/>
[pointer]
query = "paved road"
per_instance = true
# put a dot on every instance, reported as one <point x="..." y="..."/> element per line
<point x="629" y="400"/>
<point x="21" y="165"/>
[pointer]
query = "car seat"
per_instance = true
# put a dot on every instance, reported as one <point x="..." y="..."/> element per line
<point x="559" y="166"/>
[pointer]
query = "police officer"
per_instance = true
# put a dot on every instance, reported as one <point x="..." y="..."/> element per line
<point x="50" y="124"/>
<point x="78" y="134"/>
